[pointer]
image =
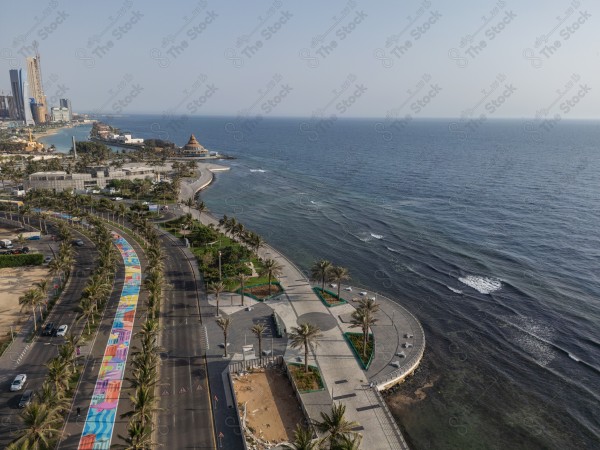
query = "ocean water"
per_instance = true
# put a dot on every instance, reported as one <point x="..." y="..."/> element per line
<point x="490" y="237"/>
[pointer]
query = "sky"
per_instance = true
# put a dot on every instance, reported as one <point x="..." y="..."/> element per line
<point x="418" y="59"/>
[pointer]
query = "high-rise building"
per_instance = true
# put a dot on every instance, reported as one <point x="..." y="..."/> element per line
<point x="66" y="103"/>
<point x="7" y="107"/>
<point x="36" y="90"/>
<point x="18" y="85"/>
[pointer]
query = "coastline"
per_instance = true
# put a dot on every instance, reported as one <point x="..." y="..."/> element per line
<point x="382" y="430"/>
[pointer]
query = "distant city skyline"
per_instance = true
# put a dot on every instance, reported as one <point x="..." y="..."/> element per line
<point x="417" y="59"/>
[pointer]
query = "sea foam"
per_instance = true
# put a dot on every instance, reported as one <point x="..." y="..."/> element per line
<point x="482" y="285"/>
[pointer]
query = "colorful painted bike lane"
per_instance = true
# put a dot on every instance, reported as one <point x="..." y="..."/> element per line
<point x="100" y="420"/>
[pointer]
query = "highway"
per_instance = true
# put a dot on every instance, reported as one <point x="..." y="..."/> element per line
<point x="43" y="348"/>
<point x="185" y="419"/>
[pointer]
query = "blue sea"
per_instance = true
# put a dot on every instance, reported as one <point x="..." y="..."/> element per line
<point x="488" y="232"/>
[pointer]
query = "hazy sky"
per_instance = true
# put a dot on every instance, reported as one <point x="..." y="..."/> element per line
<point x="281" y="58"/>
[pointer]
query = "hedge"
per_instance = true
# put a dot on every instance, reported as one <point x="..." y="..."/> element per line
<point x="30" y="259"/>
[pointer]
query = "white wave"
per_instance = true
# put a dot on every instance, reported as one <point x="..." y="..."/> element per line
<point x="456" y="291"/>
<point x="365" y="237"/>
<point x="483" y="285"/>
<point x="574" y="358"/>
<point x="258" y="170"/>
<point x="377" y="236"/>
<point x="393" y="250"/>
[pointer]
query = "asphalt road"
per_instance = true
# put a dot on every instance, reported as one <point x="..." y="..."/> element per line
<point x="33" y="363"/>
<point x="185" y="419"/>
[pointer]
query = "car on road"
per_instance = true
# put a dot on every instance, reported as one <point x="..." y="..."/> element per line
<point x="349" y="289"/>
<point x="47" y="259"/>
<point x="47" y="331"/>
<point x="145" y="203"/>
<point x="62" y="330"/>
<point x="116" y="199"/>
<point x="362" y="293"/>
<point x="78" y="242"/>
<point x="18" y="383"/>
<point x="333" y="285"/>
<point x="26" y="398"/>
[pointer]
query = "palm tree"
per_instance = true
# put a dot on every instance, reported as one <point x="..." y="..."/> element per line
<point x="31" y="298"/>
<point x="143" y="405"/>
<point x="138" y="437"/>
<point x="304" y="335"/>
<point x="201" y="207"/>
<point x="242" y="278"/>
<point x="58" y="374"/>
<point x="320" y="271"/>
<point x="364" y="317"/>
<point x="351" y="442"/>
<point x="224" y="323"/>
<point x="335" y="425"/>
<point x="86" y="312"/>
<point x="258" y="331"/>
<point x="190" y="204"/>
<point x="40" y="427"/>
<point x="216" y="288"/>
<point x="53" y="399"/>
<point x="339" y="274"/>
<point x="271" y="269"/>
<point x="303" y="440"/>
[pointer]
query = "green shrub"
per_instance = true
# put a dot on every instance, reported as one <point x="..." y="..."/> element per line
<point x="31" y="259"/>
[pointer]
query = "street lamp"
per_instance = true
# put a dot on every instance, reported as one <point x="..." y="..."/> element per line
<point x="220" y="265"/>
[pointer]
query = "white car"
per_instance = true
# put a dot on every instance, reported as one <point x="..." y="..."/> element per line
<point x="18" y="383"/>
<point x="117" y="198"/>
<point x="363" y="293"/>
<point x="62" y="330"/>
<point x="349" y="289"/>
<point x="47" y="259"/>
<point x="333" y="285"/>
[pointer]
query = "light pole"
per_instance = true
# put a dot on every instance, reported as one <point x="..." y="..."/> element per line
<point x="220" y="265"/>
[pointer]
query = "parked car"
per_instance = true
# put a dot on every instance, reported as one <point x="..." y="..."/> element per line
<point x="47" y="259"/>
<point x="349" y="289"/>
<point x="62" y="330"/>
<point x="78" y="242"/>
<point x="117" y="198"/>
<point x="26" y="398"/>
<point x="18" y="383"/>
<point x="47" y="331"/>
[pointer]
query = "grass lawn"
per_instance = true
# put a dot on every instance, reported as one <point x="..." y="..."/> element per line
<point x="306" y="381"/>
<point x="356" y="339"/>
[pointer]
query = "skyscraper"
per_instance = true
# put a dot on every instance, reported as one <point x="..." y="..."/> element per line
<point x="36" y="91"/>
<point x="18" y="84"/>
<point x="66" y="103"/>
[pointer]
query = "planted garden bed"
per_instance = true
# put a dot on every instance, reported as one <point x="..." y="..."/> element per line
<point x="260" y="292"/>
<point x="355" y="340"/>
<point x="328" y="298"/>
<point x="306" y="381"/>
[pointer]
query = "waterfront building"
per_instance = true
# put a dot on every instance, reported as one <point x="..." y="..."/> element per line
<point x="193" y="148"/>
<point x="60" y="115"/>
<point x="95" y="178"/>
<point x="66" y="103"/>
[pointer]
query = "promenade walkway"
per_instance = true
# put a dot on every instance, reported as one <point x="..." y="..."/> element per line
<point x="400" y="350"/>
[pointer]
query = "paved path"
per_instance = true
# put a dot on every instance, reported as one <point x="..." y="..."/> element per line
<point x="345" y="380"/>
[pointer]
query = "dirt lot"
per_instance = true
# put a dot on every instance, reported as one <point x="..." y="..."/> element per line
<point x="13" y="283"/>
<point x="272" y="409"/>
